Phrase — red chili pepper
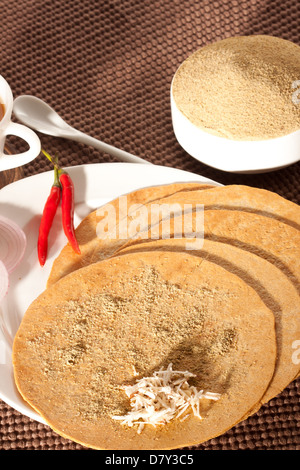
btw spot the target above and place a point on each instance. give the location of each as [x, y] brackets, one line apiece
[67, 205]
[49, 212]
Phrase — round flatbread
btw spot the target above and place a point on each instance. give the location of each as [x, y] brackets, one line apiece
[85, 337]
[86, 232]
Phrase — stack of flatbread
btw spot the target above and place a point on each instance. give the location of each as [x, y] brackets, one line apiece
[218, 301]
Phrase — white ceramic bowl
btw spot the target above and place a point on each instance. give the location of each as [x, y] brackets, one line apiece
[231, 155]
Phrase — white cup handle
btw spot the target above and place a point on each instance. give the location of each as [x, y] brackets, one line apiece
[13, 161]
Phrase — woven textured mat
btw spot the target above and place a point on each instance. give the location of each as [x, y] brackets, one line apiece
[106, 67]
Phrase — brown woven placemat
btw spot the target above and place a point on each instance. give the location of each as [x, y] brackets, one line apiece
[106, 67]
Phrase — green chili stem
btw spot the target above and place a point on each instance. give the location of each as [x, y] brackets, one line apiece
[54, 162]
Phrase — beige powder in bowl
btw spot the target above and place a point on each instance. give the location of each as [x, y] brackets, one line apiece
[241, 88]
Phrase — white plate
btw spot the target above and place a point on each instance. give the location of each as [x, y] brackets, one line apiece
[23, 202]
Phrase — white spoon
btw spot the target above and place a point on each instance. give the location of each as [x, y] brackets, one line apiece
[38, 115]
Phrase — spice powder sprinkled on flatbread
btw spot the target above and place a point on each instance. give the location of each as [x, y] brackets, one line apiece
[82, 339]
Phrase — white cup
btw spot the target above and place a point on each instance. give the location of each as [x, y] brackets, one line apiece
[7, 127]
